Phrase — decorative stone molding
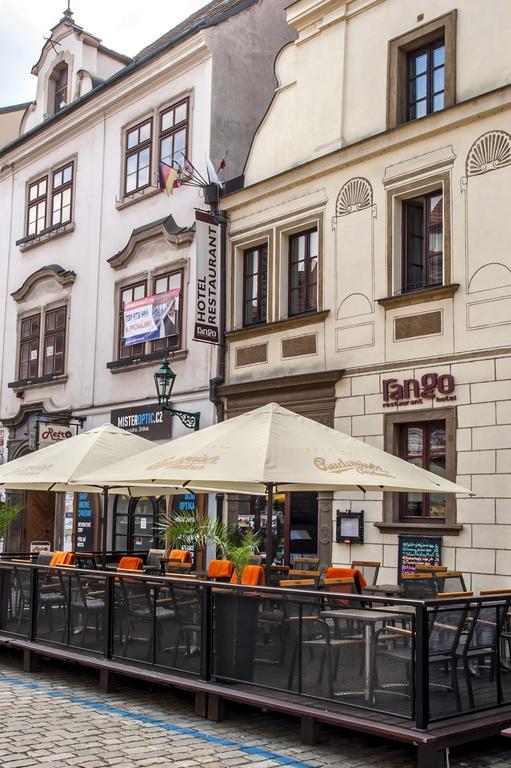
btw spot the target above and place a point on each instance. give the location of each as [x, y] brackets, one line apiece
[355, 195]
[53, 272]
[489, 152]
[175, 236]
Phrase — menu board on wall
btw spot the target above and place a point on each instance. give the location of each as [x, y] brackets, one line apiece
[418, 550]
[86, 507]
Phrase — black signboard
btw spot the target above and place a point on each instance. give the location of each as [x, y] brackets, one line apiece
[418, 550]
[183, 505]
[350, 527]
[86, 505]
[148, 421]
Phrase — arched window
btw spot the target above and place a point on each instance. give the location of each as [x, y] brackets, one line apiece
[60, 76]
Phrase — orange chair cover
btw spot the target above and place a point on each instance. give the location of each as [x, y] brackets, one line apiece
[61, 558]
[347, 573]
[253, 576]
[181, 555]
[133, 563]
[220, 569]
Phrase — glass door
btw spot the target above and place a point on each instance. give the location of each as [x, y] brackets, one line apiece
[135, 523]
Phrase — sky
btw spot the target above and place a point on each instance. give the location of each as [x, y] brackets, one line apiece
[124, 25]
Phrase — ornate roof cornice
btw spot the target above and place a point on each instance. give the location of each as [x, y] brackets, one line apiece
[175, 236]
[52, 271]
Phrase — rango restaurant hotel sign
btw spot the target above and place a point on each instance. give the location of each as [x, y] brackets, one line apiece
[430, 386]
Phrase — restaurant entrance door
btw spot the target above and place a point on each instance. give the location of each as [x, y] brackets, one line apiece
[40, 518]
[135, 523]
[301, 518]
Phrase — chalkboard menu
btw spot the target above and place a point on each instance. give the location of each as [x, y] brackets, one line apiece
[418, 550]
[86, 505]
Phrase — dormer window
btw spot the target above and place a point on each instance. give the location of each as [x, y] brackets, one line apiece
[60, 79]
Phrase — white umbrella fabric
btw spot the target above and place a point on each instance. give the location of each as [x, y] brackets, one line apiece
[269, 447]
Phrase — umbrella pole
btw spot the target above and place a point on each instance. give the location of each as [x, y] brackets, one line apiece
[104, 527]
[269, 530]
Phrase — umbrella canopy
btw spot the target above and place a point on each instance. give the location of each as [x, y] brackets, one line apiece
[55, 467]
[271, 445]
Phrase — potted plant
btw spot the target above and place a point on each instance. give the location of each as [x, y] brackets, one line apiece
[7, 515]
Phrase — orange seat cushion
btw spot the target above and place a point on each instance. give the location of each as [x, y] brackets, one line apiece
[181, 555]
[347, 573]
[220, 569]
[253, 576]
[133, 563]
[58, 558]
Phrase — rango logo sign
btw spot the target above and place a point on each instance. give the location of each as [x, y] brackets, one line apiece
[430, 386]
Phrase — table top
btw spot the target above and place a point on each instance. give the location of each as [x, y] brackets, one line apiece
[385, 589]
[360, 614]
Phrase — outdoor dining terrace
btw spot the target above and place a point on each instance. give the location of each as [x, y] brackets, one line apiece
[431, 672]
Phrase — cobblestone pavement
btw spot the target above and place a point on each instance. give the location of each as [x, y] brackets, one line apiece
[58, 717]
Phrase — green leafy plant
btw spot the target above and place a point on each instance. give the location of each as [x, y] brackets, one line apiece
[195, 530]
[7, 515]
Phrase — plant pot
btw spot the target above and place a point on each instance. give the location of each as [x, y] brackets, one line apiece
[235, 634]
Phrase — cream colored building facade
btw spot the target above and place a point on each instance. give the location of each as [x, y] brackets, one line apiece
[340, 153]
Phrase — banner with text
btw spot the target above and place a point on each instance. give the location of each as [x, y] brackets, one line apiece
[154, 317]
[207, 300]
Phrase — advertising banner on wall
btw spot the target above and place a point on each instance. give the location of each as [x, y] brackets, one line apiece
[207, 298]
[154, 317]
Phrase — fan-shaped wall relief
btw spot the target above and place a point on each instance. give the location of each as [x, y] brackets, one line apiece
[354, 245]
[487, 207]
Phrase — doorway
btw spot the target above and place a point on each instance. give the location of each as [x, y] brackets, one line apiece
[40, 517]
[301, 525]
[135, 523]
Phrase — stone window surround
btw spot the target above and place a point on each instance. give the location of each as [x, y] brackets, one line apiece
[123, 200]
[394, 244]
[26, 242]
[41, 379]
[149, 275]
[391, 521]
[238, 249]
[398, 49]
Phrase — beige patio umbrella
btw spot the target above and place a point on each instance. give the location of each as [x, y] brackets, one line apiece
[272, 448]
[55, 467]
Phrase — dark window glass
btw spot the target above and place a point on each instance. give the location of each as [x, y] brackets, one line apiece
[423, 242]
[60, 77]
[426, 80]
[303, 272]
[54, 341]
[138, 157]
[61, 195]
[255, 284]
[424, 445]
[174, 134]
[172, 320]
[29, 347]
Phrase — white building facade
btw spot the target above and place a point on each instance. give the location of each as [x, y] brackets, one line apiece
[370, 268]
[86, 229]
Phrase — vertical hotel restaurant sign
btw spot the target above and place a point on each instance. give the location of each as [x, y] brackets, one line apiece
[207, 305]
[151, 318]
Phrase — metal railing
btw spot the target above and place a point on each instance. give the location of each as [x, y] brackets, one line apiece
[421, 661]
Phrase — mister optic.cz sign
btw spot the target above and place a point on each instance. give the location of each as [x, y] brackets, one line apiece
[430, 386]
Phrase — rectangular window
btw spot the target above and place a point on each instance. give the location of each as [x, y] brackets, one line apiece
[426, 80]
[36, 210]
[174, 134]
[138, 157]
[172, 320]
[62, 195]
[127, 294]
[424, 444]
[54, 341]
[422, 242]
[29, 347]
[255, 284]
[303, 277]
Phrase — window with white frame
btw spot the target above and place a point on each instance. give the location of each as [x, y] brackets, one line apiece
[50, 200]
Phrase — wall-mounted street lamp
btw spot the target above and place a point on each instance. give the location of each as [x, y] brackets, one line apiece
[164, 379]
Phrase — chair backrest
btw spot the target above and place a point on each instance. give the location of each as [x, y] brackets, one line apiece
[450, 581]
[483, 628]
[176, 567]
[296, 583]
[277, 573]
[87, 561]
[62, 558]
[255, 560]
[252, 575]
[153, 557]
[180, 555]
[419, 586]
[347, 573]
[340, 585]
[484, 592]
[369, 569]
[430, 568]
[306, 563]
[131, 563]
[220, 569]
[445, 627]
[299, 574]
[447, 595]
[44, 558]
